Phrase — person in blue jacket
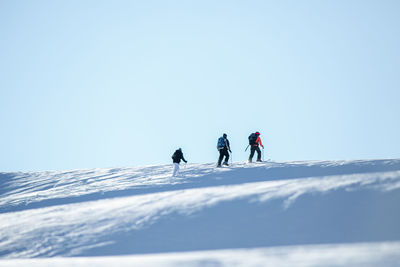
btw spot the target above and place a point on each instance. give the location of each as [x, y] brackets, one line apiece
[223, 148]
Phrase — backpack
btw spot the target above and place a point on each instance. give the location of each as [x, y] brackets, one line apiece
[175, 156]
[252, 139]
[221, 143]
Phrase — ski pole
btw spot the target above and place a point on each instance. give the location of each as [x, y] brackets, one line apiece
[263, 154]
[246, 148]
[184, 167]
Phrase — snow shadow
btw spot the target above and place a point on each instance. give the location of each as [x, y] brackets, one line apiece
[334, 218]
[331, 209]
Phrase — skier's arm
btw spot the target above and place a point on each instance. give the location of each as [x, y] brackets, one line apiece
[228, 145]
[184, 159]
[259, 142]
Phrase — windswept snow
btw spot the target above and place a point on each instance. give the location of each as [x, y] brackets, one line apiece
[247, 214]
[359, 254]
[23, 190]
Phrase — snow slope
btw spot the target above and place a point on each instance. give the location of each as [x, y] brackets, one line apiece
[277, 213]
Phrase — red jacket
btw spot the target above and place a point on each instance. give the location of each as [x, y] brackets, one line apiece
[258, 142]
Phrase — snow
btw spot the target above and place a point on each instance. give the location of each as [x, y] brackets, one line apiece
[309, 213]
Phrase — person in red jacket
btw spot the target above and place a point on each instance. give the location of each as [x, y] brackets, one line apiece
[255, 143]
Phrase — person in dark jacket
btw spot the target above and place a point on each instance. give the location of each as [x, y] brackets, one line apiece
[255, 142]
[176, 159]
[223, 148]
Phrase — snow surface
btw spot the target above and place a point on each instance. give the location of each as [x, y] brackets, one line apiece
[311, 213]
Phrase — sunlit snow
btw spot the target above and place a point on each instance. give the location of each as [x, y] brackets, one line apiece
[308, 213]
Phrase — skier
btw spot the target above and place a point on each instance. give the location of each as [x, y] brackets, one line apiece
[255, 142]
[176, 159]
[223, 148]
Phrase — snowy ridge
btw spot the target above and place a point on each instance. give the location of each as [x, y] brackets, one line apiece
[280, 211]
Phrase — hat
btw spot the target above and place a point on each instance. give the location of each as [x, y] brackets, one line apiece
[257, 133]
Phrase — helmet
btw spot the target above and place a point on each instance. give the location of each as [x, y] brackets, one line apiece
[257, 133]
[224, 135]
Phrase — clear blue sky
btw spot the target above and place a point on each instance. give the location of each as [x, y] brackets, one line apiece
[92, 84]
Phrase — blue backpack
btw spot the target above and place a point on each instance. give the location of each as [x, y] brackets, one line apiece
[221, 143]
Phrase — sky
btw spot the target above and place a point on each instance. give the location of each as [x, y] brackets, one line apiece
[93, 84]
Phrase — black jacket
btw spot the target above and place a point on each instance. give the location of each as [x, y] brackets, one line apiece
[178, 156]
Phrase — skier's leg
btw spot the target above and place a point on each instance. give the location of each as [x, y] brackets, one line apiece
[176, 169]
[258, 153]
[221, 155]
[226, 154]
[252, 150]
